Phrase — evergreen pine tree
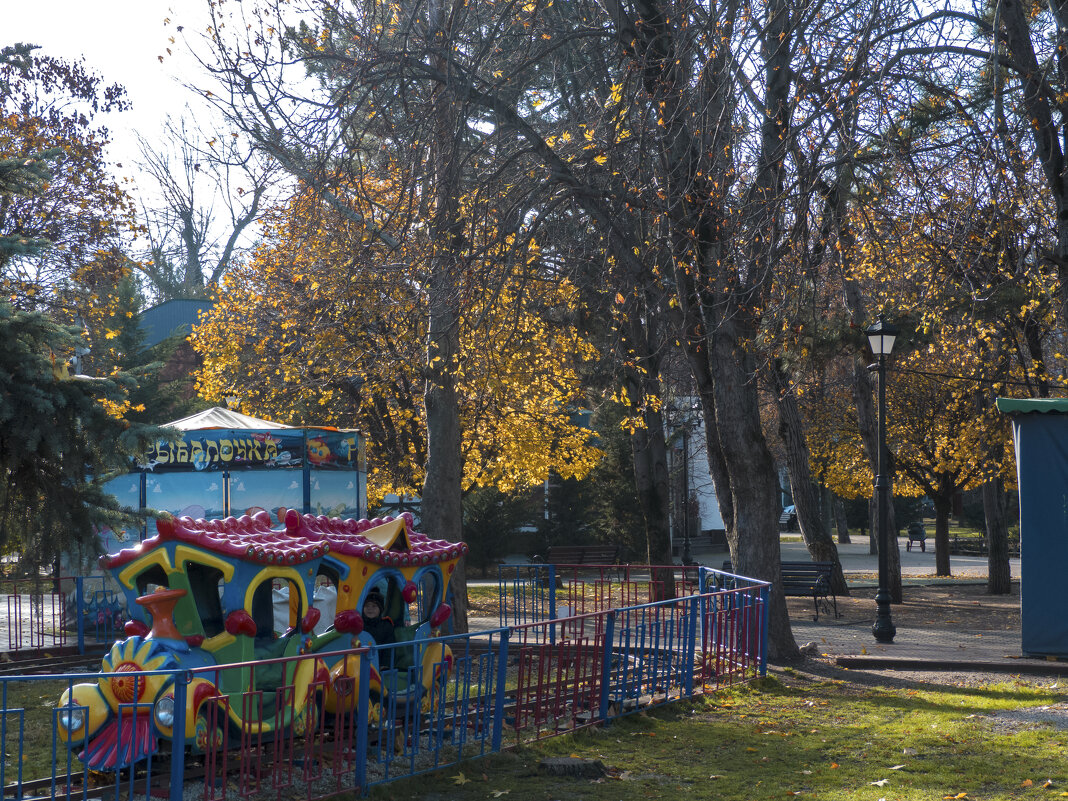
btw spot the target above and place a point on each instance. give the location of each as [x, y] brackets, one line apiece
[60, 437]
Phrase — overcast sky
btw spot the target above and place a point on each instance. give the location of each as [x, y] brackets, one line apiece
[121, 40]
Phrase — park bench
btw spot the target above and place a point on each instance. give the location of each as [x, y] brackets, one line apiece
[806, 580]
[598, 554]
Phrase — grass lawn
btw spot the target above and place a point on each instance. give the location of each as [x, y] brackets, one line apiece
[797, 735]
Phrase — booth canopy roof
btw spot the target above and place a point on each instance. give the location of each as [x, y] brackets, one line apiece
[218, 417]
[1031, 405]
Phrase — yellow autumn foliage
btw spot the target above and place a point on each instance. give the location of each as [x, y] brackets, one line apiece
[327, 326]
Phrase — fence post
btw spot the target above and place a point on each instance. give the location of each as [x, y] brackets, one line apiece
[606, 663]
[552, 602]
[363, 703]
[690, 650]
[502, 597]
[765, 592]
[551, 586]
[499, 689]
[79, 608]
[181, 687]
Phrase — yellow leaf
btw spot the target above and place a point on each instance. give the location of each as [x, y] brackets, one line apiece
[460, 779]
[1027, 783]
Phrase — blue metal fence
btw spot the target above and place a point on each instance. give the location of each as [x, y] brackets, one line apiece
[564, 662]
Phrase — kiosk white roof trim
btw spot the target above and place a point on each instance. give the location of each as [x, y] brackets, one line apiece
[218, 417]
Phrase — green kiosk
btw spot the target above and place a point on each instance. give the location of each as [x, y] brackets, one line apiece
[1040, 431]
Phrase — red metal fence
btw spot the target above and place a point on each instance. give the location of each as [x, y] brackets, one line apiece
[512, 684]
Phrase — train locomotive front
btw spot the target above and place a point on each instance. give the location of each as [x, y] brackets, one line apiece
[209, 590]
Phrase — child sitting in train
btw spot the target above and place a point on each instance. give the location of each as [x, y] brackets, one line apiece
[375, 622]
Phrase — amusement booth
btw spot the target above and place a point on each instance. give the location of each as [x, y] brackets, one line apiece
[226, 465]
[230, 464]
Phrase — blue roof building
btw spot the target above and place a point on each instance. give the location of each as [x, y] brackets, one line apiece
[172, 317]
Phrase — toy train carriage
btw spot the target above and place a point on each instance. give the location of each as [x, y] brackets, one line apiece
[239, 592]
[412, 574]
[219, 579]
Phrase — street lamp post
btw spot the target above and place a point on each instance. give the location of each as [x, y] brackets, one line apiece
[687, 557]
[881, 337]
[682, 421]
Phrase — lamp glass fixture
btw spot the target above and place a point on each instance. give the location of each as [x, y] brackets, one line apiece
[881, 338]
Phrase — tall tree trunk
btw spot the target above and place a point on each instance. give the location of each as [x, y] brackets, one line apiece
[441, 504]
[840, 521]
[651, 477]
[686, 317]
[943, 505]
[754, 538]
[998, 572]
[802, 489]
[1047, 123]
[643, 336]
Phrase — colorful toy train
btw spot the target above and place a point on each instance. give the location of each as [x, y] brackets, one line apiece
[205, 593]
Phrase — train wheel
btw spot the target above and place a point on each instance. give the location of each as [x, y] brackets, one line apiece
[207, 737]
[306, 720]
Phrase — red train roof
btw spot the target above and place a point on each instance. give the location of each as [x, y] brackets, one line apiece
[385, 541]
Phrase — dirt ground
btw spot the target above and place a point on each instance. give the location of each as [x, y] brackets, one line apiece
[952, 605]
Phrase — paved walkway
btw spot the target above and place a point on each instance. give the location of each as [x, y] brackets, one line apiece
[939, 646]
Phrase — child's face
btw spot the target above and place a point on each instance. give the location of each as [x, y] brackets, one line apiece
[371, 609]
